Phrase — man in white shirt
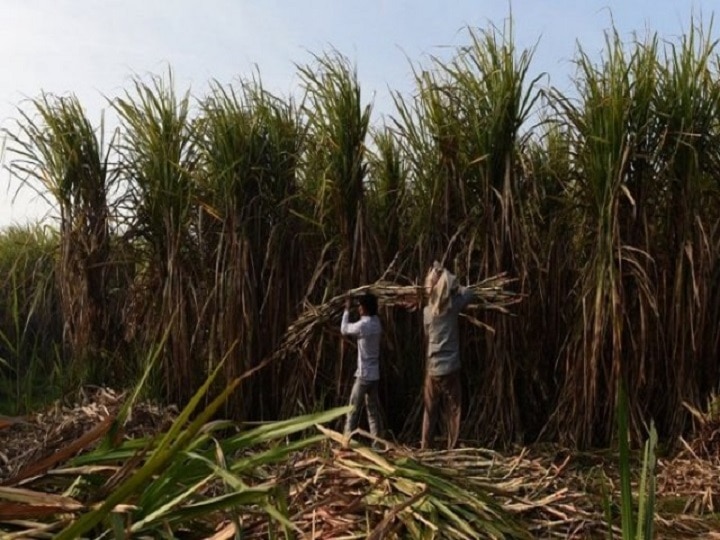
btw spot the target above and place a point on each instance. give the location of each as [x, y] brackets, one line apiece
[368, 331]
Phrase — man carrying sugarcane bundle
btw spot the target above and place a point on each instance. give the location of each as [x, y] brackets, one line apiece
[446, 299]
[367, 330]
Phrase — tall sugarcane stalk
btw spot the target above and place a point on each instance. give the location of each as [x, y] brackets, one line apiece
[158, 157]
[58, 150]
[249, 146]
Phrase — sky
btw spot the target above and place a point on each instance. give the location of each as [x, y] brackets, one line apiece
[94, 48]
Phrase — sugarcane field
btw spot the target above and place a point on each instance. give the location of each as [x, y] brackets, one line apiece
[493, 312]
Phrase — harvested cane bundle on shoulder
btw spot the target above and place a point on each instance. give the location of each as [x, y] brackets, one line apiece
[490, 294]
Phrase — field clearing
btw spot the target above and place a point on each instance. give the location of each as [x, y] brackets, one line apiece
[338, 491]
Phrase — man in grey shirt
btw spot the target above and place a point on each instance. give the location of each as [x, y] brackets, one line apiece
[442, 378]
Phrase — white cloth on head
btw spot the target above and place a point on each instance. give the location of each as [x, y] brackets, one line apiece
[441, 285]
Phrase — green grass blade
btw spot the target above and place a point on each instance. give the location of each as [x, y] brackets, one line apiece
[626, 497]
[170, 445]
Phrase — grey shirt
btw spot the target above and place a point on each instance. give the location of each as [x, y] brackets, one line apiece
[443, 341]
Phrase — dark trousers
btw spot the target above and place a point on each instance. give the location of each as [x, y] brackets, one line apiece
[445, 389]
[367, 392]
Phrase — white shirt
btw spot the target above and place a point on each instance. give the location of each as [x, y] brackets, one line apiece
[368, 331]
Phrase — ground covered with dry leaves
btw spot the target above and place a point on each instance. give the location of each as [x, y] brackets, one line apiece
[332, 489]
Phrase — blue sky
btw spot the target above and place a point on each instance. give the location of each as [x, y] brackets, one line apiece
[93, 48]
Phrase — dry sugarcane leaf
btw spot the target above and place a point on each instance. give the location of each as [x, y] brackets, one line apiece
[32, 529]
[63, 454]
[11, 511]
[225, 533]
[17, 503]
[38, 498]
[7, 421]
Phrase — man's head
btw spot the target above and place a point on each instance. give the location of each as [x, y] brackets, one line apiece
[440, 285]
[368, 304]
[433, 276]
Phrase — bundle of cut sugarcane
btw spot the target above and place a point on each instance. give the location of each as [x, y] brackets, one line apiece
[490, 294]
